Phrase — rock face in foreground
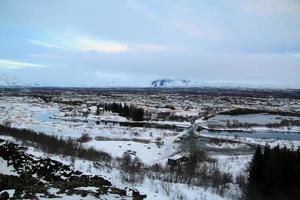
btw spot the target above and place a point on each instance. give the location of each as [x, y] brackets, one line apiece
[36, 176]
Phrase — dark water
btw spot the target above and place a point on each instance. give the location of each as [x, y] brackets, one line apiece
[192, 141]
[201, 143]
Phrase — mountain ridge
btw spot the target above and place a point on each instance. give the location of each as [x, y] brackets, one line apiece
[11, 81]
[166, 82]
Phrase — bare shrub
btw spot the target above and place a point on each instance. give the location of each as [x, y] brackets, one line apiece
[56, 145]
[167, 187]
[197, 169]
[159, 142]
[72, 161]
[85, 137]
[241, 180]
[220, 181]
[179, 195]
[132, 169]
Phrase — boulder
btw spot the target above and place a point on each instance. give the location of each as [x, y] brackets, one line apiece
[4, 196]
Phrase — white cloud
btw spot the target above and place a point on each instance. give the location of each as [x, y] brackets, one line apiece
[11, 64]
[44, 44]
[197, 31]
[271, 7]
[189, 28]
[86, 44]
[154, 47]
[89, 44]
[82, 43]
[294, 54]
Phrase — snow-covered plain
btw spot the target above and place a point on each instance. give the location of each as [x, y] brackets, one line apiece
[151, 145]
[29, 114]
[6, 169]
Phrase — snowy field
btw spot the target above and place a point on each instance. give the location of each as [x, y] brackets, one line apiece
[154, 144]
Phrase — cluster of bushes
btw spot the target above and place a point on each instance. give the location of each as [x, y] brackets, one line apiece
[274, 174]
[54, 144]
[244, 111]
[170, 116]
[170, 107]
[237, 124]
[85, 137]
[284, 122]
[130, 111]
[132, 168]
[196, 169]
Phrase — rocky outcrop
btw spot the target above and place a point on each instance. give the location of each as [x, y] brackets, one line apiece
[37, 175]
[4, 196]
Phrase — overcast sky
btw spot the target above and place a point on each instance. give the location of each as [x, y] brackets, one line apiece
[131, 42]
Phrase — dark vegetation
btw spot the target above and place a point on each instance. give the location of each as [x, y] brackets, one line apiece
[170, 107]
[84, 138]
[131, 111]
[101, 138]
[132, 169]
[210, 91]
[237, 124]
[244, 111]
[196, 169]
[56, 145]
[284, 122]
[170, 116]
[274, 174]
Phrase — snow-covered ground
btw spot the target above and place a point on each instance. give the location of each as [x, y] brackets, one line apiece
[233, 164]
[226, 145]
[29, 114]
[151, 145]
[6, 169]
[258, 141]
[155, 189]
[148, 153]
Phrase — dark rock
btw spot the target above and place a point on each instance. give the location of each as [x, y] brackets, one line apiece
[118, 191]
[56, 174]
[4, 196]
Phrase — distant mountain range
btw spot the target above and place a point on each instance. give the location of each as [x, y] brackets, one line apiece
[184, 83]
[174, 83]
[11, 81]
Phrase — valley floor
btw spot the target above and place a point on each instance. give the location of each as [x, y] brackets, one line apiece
[169, 134]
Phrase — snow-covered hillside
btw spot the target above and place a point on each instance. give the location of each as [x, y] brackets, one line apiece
[10, 81]
[173, 83]
[7, 80]
[185, 83]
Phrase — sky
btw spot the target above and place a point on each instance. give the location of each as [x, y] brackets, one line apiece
[132, 42]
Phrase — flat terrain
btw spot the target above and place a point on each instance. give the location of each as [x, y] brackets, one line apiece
[226, 125]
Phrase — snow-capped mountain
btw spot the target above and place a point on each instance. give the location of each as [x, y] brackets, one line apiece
[8, 80]
[173, 83]
[184, 83]
[11, 81]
